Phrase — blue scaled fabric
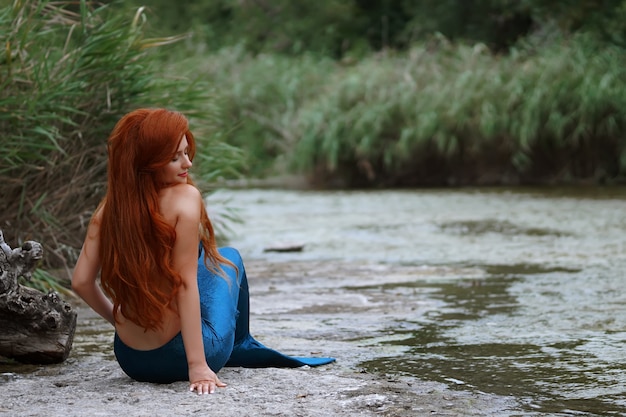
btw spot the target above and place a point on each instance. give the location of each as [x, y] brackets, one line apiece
[225, 311]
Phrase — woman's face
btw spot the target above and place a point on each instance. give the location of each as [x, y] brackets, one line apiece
[176, 171]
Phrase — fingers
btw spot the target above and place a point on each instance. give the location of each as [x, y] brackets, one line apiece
[219, 383]
[206, 387]
[203, 387]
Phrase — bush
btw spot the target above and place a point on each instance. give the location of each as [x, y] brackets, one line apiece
[461, 115]
[439, 114]
[68, 73]
[258, 98]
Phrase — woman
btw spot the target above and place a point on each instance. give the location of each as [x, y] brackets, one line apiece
[178, 303]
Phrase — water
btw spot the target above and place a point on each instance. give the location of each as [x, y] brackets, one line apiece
[544, 321]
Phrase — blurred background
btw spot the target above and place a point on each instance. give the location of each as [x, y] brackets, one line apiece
[476, 146]
[331, 94]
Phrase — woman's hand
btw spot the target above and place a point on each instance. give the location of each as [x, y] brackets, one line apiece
[203, 380]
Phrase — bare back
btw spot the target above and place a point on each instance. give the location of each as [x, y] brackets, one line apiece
[178, 205]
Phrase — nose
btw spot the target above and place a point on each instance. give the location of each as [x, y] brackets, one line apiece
[187, 162]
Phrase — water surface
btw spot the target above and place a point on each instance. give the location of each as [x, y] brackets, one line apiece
[544, 321]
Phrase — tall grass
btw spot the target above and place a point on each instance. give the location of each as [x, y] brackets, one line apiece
[258, 99]
[68, 72]
[440, 114]
[462, 115]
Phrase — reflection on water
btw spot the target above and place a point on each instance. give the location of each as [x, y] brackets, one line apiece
[481, 341]
[479, 227]
[545, 323]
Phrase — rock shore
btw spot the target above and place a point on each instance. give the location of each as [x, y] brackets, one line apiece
[299, 308]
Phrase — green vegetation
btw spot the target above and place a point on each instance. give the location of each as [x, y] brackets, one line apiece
[437, 92]
[460, 115]
[341, 28]
[68, 73]
[438, 114]
[44, 281]
[349, 93]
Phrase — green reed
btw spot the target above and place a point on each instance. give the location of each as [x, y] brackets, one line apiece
[441, 113]
[68, 72]
[559, 112]
[258, 98]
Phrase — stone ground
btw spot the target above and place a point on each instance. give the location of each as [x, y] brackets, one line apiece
[303, 308]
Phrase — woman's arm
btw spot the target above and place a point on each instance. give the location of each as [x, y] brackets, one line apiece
[185, 259]
[86, 271]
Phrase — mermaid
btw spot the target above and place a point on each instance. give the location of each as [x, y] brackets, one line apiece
[179, 304]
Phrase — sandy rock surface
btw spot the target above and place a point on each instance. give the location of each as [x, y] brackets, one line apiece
[302, 309]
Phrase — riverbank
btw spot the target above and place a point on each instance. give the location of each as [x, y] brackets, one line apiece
[301, 308]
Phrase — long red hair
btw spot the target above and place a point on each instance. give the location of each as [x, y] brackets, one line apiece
[135, 240]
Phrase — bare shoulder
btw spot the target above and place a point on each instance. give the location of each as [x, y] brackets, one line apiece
[97, 215]
[93, 229]
[180, 200]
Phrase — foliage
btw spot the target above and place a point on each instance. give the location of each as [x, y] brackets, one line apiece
[343, 28]
[68, 71]
[340, 28]
[442, 113]
[462, 115]
[258, 97]
[604, 18]
[495, 23]
[456, 91]
[44, 281]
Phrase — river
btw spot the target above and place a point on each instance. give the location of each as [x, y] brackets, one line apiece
[540, 316]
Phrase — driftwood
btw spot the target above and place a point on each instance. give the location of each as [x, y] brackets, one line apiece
[285, 247]
[34, 327]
